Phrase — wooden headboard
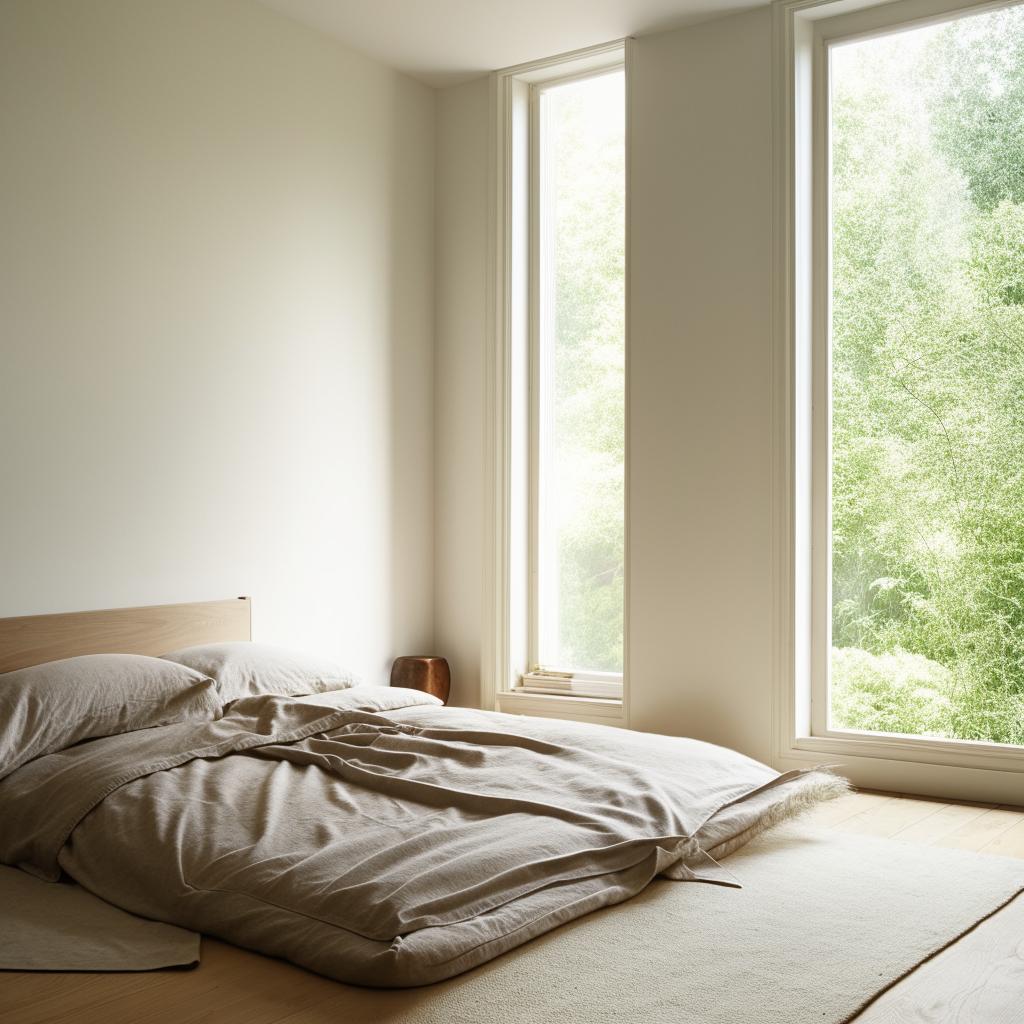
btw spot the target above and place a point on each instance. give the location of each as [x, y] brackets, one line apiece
[154, 630]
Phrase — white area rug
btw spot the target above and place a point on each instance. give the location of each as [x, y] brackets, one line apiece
[825, 922]
[48, 926]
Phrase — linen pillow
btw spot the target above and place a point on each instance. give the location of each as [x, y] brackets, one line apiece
[242, 668]
[48, 707]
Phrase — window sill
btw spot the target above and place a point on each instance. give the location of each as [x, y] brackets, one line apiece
[600, 710]
[946, 753]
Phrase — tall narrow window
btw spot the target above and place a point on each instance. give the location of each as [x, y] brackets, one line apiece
[926, 530]
[577, 384]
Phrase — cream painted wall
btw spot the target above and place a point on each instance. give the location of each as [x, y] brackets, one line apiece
[462, 190]
[216, 322]
[700, 417]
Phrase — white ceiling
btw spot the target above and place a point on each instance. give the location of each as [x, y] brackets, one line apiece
[445, 41]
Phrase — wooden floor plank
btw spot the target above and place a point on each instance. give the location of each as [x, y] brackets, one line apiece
[1009, 843]
[98, 1000]
[981, 831]
[18, 989]
[247, 989]
[888, 817]
[937, 826]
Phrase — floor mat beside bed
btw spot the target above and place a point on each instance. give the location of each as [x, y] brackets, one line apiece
[53, 926]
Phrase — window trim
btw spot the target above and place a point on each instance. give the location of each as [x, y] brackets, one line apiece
[510, 494]
[802, 33]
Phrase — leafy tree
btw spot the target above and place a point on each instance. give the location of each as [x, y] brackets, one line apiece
[928, 380]
[976, 70]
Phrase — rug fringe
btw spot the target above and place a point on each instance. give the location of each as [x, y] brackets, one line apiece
[817, 786]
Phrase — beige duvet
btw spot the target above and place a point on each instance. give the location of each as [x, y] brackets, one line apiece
[379, 838]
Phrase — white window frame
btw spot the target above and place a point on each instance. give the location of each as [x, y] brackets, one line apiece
[803, 31]
[510, 615]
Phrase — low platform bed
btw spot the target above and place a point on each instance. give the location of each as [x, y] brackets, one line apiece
[367, 833]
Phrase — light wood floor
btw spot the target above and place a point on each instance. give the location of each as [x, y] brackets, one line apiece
[979, 980]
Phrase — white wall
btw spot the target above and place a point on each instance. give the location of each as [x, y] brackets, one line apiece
[700, 415]
[462, 189]
[216, 322]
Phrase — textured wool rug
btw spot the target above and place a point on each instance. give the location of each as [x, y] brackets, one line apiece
[824, 923]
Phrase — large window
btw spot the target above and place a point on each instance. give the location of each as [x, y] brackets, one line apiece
[926, 196]
[578, 394]
[557, 402]
[898, 341]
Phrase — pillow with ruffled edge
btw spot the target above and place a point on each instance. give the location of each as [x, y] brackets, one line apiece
[48, 707]
[242, 668]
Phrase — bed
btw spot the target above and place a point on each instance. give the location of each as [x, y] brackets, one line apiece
[367, 833]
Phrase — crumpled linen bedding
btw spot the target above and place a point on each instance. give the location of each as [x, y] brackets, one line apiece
[379, 838]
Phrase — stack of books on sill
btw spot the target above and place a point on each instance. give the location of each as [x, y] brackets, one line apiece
[567, 685]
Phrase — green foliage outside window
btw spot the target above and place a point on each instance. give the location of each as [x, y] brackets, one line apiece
[587, 478]
[928, 381]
